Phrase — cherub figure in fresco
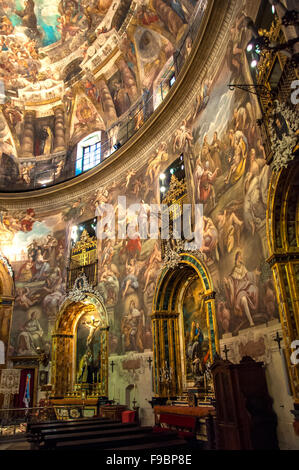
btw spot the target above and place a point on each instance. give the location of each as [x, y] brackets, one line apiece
[130, 174]
[241, 288]
[27, 221]
[25, 173]
[24, 299]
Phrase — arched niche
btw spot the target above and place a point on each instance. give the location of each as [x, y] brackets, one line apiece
[172, 348]
[7, 296]
[283, 243]
[69, 363]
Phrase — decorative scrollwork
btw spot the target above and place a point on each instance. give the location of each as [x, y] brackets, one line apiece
[82, 287]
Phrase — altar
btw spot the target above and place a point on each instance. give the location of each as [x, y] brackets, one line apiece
[194, 423]
[74, 408]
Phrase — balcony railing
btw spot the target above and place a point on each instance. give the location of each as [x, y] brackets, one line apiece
[45, 171]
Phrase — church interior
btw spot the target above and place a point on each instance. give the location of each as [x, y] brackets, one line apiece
[149, 225]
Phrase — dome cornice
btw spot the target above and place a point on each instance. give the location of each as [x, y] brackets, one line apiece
[208, 48]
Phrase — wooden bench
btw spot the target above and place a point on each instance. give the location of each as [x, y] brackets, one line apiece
[141, 437]
[38, 431]
[50, 441]
[178, 444]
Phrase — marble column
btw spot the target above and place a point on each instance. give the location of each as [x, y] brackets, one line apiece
[59, 129]
[107, 103]
[27, 145]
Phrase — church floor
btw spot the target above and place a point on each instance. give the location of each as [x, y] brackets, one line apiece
[14, 445]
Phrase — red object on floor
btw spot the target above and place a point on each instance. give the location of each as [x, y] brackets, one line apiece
[128, 416]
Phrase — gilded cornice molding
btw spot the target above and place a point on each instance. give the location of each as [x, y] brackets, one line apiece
[208, 50]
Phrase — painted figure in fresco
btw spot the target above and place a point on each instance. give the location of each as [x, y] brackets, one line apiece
[27, 220]
[238, 161]
[120, 97]
[235, 50]
[130, 281]
[29, 19]
[23, 297]
[255, 201]
[131, 327]
[86, 368]
[25, 170]
[152, 266]
[209, 238]
[242, 290]
[110, 283]
[68, 21]
[30, 337]
[223, 315]
[229, 228]
[196, 340]
[6, 26]
[12, 113]
[206, 189]
[215, 150]
[182, 138]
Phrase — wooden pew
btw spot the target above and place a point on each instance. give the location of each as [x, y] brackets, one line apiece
[57, 423]
[178, 444]
[80, 429]
[50, 441]
[37, 431]
[109, 442]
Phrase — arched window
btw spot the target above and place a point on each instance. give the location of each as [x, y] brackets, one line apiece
[88, 152]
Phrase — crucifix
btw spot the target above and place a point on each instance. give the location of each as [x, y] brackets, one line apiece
[278, 340]
[225, 350]
[112, 365]
[149, 362]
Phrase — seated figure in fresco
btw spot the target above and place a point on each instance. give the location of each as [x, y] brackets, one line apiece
[30, 337]
[131, 327]
[242, 289]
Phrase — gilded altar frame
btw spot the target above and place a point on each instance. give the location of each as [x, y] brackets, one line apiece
[283, 243]
[167, 311]
[63, 373]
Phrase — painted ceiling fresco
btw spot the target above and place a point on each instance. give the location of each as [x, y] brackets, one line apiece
[96, 60]
[39, 39]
